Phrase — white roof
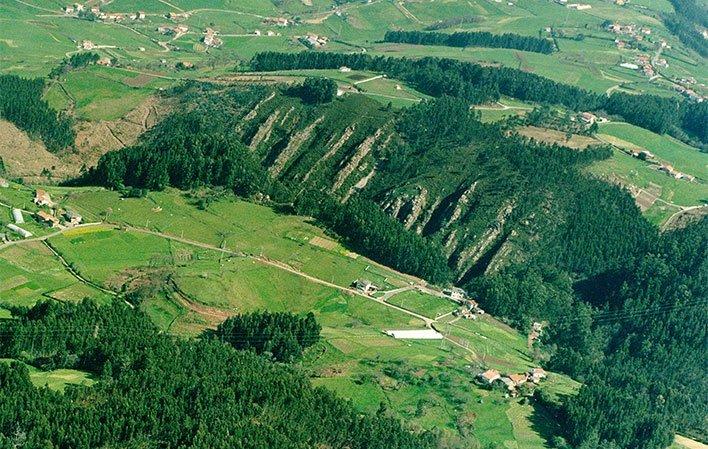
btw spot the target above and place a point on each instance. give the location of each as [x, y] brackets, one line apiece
[420, 334]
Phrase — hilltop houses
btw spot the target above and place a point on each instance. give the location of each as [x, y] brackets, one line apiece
[177, 31]
[455, 293]
[470, 310]
[490, 376]
[71, 218]
[48, 219]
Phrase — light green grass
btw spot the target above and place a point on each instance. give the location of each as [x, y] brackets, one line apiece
[427, 383]
[681, 156]
[56, 379]
[638, 173]
[422, 303]
[30, 273]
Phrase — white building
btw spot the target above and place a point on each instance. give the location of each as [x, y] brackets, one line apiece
[17, 216]
[19, 230]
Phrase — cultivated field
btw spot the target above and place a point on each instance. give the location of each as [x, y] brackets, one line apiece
[256, 259]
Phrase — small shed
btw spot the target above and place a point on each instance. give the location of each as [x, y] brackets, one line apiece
[17, 216]
[365, 286]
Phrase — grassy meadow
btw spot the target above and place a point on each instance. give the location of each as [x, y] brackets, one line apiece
[427, 383]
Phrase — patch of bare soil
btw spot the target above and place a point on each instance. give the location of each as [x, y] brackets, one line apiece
[558, 137]
[138, 81]
[29, 159]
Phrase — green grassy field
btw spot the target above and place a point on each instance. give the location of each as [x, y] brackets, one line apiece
[56, 379]
[591, 62]
[422, 303]
[429, 384]
[30, 273]
[641, 174]
[681, 156]
[101, 93]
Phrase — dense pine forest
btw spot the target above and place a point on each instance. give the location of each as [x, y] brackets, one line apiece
[472, 39]
[157, 391]
[282, 335]
[21, 103]
[478, 84]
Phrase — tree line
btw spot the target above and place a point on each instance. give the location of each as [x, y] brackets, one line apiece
[21, 103]
[153, 390]
[478, 84]
[282, 335]
[472, 39]
[685, 23]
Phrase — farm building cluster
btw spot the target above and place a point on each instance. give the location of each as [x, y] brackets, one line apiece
[576, 6]
[314, 40]
[49, 214]
[211, 39]
[512, 382]
[669, 169]
[645, 63]
[95, 13]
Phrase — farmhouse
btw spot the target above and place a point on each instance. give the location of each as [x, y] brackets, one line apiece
[345, 69]
[17, 216]
[588, 118]
[210, 39]
[518, 379]
[177, 16]
[22, 232]
[48, 218]
[277, 21]
[88, 45]
[455, 293]
[536, 375]
[104, 61]
[42, 198]
[71, 217]
[510, 385]
[469, 310]
[4, 183]
[365, 286]
[489, 376]
[314, 41]
[629, 65]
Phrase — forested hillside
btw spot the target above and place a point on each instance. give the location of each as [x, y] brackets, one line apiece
[157, 391]
[459, 197]
[21, 103]
[434, 192]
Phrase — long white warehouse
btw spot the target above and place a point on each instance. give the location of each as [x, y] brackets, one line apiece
[425, 334]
